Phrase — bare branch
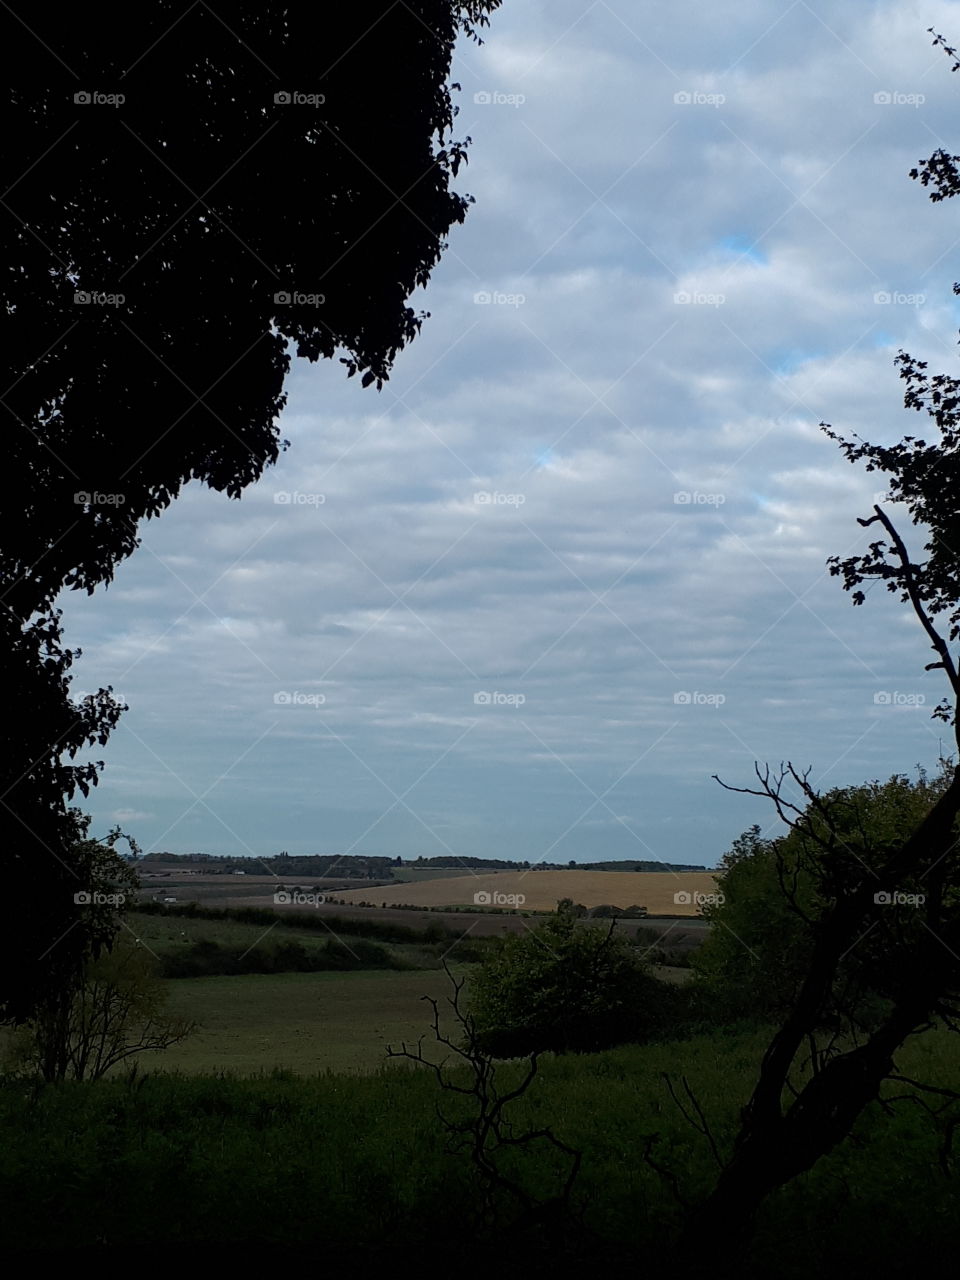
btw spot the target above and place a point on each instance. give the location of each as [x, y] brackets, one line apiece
[700, 1123]
[486, 1130]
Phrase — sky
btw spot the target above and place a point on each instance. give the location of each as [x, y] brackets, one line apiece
[569, 564]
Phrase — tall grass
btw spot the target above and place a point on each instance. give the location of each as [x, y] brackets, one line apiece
[339, 1160]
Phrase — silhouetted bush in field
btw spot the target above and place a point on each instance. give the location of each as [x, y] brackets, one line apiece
[569, 989]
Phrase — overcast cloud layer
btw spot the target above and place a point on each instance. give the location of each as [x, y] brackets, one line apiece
[570, 562]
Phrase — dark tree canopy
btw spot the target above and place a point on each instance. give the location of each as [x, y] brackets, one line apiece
[191, 195]
[197, 200]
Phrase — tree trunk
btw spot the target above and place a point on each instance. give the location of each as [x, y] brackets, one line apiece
[772, 1151]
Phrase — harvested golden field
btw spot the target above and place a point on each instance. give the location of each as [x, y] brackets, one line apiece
[542, 890]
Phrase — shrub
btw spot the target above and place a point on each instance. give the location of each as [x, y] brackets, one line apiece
[565, 987]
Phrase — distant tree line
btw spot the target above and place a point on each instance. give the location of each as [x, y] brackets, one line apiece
[379, 867]
[309, 864]
[507, 864]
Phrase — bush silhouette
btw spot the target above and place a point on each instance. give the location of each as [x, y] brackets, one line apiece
[567, 988]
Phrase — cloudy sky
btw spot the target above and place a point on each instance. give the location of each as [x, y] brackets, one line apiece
[569, 563]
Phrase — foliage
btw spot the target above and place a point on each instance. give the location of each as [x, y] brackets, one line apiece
[206, 956]
[115, 1012]
[569, 907]
[566, 987]
[103, 885]
[43, 837]
[109, 1006]
[774, 892]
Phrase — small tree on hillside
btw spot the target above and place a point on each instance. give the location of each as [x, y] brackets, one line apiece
[568, 905]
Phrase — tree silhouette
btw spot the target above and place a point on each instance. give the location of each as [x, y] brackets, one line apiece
[190, 197]
[810, 1093]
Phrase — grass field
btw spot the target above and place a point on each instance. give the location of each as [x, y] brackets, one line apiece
[542, 889]
[169, 933]
[305, 1022]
